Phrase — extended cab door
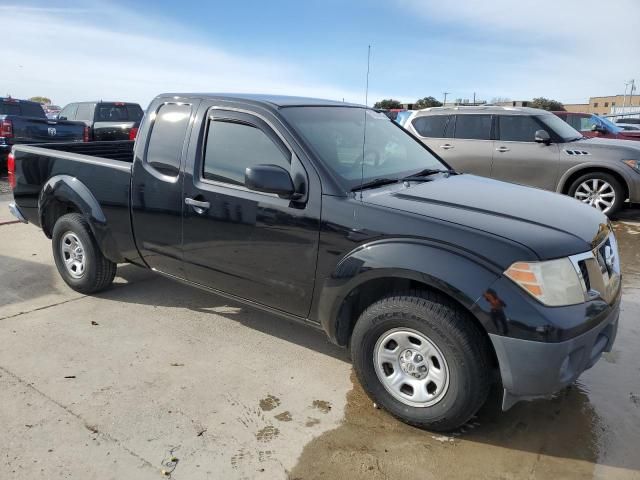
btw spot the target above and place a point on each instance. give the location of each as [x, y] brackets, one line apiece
[518, 158]
[253, 245]
[156, 188]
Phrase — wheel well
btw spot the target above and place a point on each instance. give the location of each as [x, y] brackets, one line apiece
[55, 209]
[579, 173]
[371, 291]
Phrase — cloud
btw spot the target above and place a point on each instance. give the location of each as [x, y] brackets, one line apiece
[568, 49]
[108, 52]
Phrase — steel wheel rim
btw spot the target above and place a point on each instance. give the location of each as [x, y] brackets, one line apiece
[73, 255]
[596, 192]
[401, 356]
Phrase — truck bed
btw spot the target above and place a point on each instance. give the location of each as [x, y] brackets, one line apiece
[98, 172]
[118, 150]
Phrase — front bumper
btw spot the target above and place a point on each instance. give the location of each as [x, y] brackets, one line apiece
[532, 369]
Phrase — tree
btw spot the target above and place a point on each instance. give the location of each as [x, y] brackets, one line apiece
[546, 104]
[427, 102]
[388, 104]
[42, 100]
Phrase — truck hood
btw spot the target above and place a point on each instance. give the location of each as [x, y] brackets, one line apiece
[550, 224]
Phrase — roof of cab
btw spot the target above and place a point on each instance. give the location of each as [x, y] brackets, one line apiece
[274, 101]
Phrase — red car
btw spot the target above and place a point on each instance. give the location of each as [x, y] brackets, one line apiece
[591, 125]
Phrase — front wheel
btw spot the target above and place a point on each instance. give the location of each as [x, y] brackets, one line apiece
[421, 358]
[78, 257]
[600, 190]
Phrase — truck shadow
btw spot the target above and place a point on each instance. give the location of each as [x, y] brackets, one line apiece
[164, 292]
[564, 437]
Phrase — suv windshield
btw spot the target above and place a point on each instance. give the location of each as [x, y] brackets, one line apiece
[337, 137]
[560, 127]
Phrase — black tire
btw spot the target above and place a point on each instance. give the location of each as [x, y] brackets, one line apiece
[464, 346]
[99, 272]
[618, 189]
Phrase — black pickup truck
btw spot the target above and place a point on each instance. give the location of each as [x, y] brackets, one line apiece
[23, 121]
[106, 120]
[328, 213]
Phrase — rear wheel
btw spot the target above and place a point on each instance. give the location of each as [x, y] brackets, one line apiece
[78, 257]
[420, 357]
[600, 190]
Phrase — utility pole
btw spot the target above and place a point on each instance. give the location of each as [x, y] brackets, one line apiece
[445, 98]
[474, 98]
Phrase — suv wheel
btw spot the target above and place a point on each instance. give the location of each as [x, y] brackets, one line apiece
[78, 257]
[420, 357]
[600, 190]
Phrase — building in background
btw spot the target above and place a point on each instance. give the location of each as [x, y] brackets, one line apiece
[513, 103]
[604, 105]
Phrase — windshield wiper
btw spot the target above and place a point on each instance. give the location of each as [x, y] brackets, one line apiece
[378, 182]
[420, 176]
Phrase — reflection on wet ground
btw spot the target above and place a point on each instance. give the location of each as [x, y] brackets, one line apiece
[589, 430]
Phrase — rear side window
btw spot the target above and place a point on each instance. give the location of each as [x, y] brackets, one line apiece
[473, 127]
[574, 120]
[167, 138]
[32, 110]
[233, 146]
[431, 125]
[517, 128]
[84, 112]
[585, 124]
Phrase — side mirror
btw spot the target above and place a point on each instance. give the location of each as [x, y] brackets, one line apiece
[598, 128]
[270, 179]
[542, 136]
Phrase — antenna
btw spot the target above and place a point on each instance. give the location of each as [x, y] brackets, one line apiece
[364, 129]
[366, 92]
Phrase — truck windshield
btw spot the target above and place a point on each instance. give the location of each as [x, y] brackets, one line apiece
[337, 136]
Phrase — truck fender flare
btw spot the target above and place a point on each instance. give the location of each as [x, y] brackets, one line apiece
[455, 273]
[65, 189]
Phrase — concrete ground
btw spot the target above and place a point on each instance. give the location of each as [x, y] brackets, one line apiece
[112, 386]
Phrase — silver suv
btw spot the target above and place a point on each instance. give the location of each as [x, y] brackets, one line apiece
[532, 147]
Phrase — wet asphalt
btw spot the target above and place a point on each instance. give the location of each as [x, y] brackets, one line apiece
[244, 395]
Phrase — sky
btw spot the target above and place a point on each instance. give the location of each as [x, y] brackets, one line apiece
[518, 49]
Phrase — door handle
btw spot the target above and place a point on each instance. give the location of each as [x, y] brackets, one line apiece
[197, 205]
[446, 146]
[502, 149]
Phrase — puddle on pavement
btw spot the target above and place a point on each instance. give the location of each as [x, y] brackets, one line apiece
[589, 430]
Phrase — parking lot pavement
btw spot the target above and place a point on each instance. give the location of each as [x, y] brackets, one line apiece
[106, 386]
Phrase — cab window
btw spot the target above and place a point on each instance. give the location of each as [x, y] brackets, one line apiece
[232, 146]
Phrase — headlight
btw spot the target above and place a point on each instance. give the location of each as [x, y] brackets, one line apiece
[635, 164]
[553, 283]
